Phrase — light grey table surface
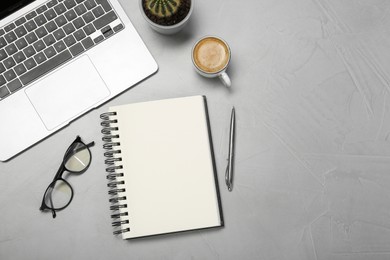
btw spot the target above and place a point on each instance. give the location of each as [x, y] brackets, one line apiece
[312, 175]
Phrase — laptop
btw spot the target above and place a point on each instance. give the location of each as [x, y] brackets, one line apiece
[58, 60]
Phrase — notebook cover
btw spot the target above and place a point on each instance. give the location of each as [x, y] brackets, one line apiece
[169, 169]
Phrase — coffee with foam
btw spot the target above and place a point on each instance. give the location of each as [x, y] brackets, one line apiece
[211, 55]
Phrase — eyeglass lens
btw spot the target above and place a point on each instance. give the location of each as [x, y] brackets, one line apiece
[78, 158]
[58, 195]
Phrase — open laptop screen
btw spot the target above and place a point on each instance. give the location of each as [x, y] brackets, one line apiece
[7, 7]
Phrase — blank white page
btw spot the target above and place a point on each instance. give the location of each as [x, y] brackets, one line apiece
[168, 166]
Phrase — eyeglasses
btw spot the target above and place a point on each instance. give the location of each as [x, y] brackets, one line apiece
[59, 193]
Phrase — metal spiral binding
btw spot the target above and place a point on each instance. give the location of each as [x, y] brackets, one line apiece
[113, 171]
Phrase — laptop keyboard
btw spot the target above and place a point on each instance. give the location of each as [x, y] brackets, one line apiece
[50, 35]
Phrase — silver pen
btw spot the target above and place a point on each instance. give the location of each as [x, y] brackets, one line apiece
[229, 168]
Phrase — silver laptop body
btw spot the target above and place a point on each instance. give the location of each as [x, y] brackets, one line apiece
[96, 61]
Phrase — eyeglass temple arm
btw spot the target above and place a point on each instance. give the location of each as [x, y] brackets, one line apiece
[83, 147]
[90, 144]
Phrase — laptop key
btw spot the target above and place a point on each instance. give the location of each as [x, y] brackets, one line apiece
[106, 6]
[29, 51]
[19, 57]
[20, 31]
[49, 40]
[69, 3]
[69, 40]
[45, 67]
[20, 69]
[31, 15]
[98, 39]
[88, 17]
[40, 57]
[70, 15]
[78, 23]
[59, 46]
[69, 28]
[59, 34]
[3, 54]
[89, 29]
[50, 52]
[60, 20]
[41, 9]
[9, 62]
[87, 43]
[31, 37]
[80, 9]
[105, 20]
[14, 85]
[39, 45]
[9, 75]
[50, 14]
[40, 32]
[76, 49]
[21, 43]
[30, 63]
[98, 11]
[118, 27]
[11, 49]
[51, 3]
[10, 37]
[30, 25]
[3, 92]
[3, 43]
[2, 68]
[2, 80]
[20, 21]
[9, 27]
[79, 35]
[40, 19]
[107, 31]
[50, 26]
[60, 9]
[90, 4]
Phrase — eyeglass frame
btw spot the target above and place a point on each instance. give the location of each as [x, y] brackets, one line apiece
[69, 153]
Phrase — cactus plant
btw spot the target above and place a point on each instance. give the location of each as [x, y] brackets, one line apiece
[163, 8]
[166, 12]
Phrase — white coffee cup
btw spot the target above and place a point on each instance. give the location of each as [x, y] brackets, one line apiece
[211, 56]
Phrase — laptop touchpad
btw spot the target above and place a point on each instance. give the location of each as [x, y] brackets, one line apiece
[67, 93]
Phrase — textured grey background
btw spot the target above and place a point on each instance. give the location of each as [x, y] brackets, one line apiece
[311, 91]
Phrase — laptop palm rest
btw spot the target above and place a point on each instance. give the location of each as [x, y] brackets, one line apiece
[67, 93]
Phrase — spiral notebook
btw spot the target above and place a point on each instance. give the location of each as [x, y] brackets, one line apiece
[161, 168]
